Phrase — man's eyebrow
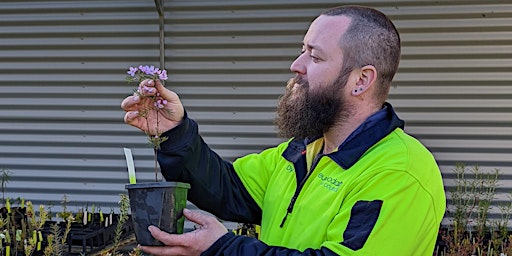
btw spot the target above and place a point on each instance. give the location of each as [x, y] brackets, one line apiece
[316, 47]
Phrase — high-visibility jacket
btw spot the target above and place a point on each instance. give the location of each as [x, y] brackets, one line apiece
[380, 193]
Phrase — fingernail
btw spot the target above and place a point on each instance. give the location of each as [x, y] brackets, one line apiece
[186, 210]
[151, 228]
[136, 98]
[150, 82]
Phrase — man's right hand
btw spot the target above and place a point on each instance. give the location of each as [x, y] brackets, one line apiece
[138, 104]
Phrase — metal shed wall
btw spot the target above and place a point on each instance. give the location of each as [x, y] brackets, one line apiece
[63, 62]
[230, 59]
[62, 80]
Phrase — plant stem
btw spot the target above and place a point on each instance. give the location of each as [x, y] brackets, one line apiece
[156, 164]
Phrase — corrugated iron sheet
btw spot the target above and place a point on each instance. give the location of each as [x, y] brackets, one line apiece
[62, 80]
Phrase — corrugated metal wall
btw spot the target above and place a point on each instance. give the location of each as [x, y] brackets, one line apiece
[62, 66]
[61, 83]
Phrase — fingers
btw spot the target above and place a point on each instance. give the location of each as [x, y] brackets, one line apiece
[147, 88]
[164, 237]
[166, 93]
[164, 250]
[205, 222]
[150, 87]
[196, 217]
[130, 102]
[208, 224]
[191, 243]
[153, 108]
[130, 116]
[174, 242]
[131, 105]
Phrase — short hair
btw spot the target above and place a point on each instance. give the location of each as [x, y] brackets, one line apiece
[370, 39]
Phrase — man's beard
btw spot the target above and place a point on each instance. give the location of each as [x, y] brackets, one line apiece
[304, 114]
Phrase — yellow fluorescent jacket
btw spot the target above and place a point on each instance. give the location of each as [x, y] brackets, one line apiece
[388, 201]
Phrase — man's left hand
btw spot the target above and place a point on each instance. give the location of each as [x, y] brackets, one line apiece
[191, 243]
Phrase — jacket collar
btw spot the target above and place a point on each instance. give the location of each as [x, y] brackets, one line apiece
[371, 131]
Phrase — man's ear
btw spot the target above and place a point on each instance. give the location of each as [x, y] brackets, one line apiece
[367, 77]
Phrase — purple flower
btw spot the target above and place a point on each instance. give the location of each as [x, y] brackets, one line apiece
[160, 103]
[162, 74]
[150, 70]
[132, 71]
[143, 68]
[146, 71]
[153, 70]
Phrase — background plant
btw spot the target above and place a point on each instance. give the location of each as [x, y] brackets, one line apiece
[6, 177]
[21, 231]
[34, 234]
[124, 206]
[64, 213]
[470, 231]
[156, 103]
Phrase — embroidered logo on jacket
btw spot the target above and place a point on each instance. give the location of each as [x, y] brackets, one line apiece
[329, 182]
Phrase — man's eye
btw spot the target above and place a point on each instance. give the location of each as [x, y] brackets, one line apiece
[315, 59]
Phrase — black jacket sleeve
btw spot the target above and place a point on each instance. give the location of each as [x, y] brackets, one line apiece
[215, 186]
[230, 244]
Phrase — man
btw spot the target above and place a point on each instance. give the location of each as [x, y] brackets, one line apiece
[349, 182]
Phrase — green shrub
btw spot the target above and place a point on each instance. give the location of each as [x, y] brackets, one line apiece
[470, 231]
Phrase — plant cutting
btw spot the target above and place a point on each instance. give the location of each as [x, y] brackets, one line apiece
[157, 203]
[153, 103]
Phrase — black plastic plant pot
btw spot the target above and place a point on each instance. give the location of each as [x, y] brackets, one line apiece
[159, 204]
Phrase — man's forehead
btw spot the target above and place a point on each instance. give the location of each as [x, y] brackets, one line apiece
[328, 26]
[325, 31]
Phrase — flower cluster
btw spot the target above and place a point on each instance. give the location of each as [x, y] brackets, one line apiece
[137, 75]
[140, 73]
[146, 72]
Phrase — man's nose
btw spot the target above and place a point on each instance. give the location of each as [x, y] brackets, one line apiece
[298, 66]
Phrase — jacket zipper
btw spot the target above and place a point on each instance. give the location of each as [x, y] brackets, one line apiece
[297, 191]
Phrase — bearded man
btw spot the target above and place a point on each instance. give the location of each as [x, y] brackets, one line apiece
[350, 181]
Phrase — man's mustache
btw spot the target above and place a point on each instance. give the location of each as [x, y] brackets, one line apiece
[296, 80]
